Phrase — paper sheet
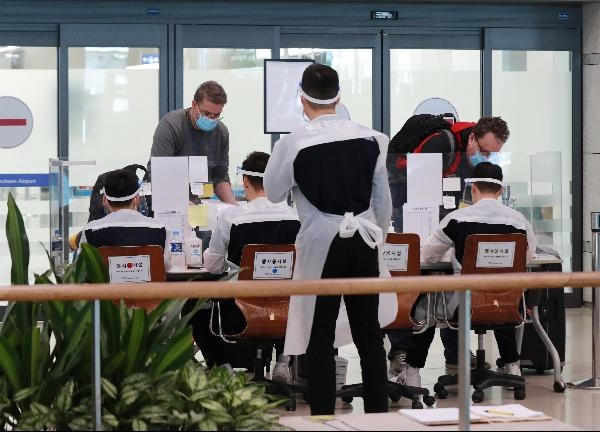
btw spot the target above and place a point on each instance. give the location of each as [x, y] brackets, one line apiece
[424, 178]
[511, 411]
[421, 220]
[209, 190]
[198, 168]
[173, 221]
[170, 184]
[451, 184]
[198, 215]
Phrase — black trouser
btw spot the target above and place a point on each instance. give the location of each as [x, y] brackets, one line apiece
[349, 257]
[215, 351]
[419, 348]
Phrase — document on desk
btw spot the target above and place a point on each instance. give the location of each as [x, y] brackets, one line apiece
[170, 184]
[420, 219]
[424, 178]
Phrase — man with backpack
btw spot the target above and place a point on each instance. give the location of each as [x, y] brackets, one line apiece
[463, 146]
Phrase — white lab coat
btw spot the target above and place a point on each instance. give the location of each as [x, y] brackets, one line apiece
[318, 229]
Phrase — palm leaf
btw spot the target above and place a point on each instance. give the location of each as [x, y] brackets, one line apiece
[18, 244]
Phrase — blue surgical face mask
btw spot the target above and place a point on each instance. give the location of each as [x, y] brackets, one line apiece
[477, 158]
[206, 124]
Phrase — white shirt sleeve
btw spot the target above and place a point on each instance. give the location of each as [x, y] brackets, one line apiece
[82, 240]
[381, 198]
[216, 253]
[279, 174]
[531, 241]
[437, 245]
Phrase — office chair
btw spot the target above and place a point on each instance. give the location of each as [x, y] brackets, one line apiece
[402, 255]
[266, 322]
[489, 310]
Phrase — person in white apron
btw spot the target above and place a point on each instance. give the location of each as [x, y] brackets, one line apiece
[336, 171]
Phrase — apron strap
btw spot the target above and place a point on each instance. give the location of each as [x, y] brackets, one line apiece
[370, 232]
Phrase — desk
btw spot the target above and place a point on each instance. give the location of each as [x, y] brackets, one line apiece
[537, 262]
[199, 275]
[394, 421]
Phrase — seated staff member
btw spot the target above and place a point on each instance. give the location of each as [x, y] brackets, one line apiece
[480, 142]
[124, 225]
[199, 131]
[486, 216]
[258, 222]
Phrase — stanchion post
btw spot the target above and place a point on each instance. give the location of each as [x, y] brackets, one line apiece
[96, 366]
[594, 382]
[464, 360]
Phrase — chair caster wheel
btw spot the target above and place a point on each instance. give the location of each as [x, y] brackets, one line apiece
[499, 363]
[559, 387]
[417, 405]
[429, 400]
[477, 396]
[394, 398]
[520, 394]
[347, 399]
[290, 406]
[440, 391]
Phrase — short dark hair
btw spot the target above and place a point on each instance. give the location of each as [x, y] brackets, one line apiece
[256, 162]
[488, 170]
[211, 91]
[320, 82]
[495, 125]
[120, 183]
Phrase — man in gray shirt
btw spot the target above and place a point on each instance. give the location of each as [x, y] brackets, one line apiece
[198, 131]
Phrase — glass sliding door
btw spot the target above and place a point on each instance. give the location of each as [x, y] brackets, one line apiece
[418, 75]
[357, 59]
[116, 94]
[234, 57]
[28, 78]
[532, 91]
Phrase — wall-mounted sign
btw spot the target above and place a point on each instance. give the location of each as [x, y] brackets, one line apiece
[24, 180]
[16, 122]
[384, 15]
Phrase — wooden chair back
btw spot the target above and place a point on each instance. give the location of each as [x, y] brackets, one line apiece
[492, 254]
[266, 318]
[403, 254]
[157, 267]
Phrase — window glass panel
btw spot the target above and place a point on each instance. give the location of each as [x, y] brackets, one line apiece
[355, 70]
[113, 112]
[532, 91]
[420, 74]
[29, 74]
[240, 72]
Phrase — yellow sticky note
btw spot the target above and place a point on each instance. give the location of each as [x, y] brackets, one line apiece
[208, 190]
[198, 215]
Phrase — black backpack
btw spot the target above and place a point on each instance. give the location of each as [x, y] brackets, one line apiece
[96, 209]
[416, 129]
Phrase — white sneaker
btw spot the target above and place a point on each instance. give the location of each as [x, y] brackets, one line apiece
[513, 368]
[397, 363]
[281, 371]
[409, 376]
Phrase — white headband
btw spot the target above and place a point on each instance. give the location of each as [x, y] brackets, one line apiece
[484, 180]
[121, 199]
[252, 173]
[319, 101]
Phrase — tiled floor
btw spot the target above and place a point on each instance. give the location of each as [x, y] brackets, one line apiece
[577, 407]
